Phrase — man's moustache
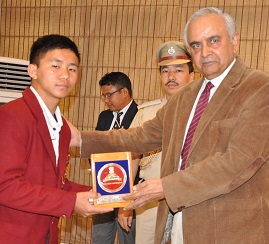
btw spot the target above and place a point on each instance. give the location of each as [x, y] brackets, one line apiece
[171, 82]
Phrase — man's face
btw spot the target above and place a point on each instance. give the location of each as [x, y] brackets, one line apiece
[211, 49]
[56, 74]
[174, 77]
[116, 98]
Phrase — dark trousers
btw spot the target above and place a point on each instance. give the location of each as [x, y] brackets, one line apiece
[105, 227]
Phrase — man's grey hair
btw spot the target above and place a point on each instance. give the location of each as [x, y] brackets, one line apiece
[231, 26]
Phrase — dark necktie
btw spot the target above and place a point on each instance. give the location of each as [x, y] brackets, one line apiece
[201, 105]
[116, 125]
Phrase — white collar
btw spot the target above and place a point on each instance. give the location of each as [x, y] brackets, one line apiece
[124, 110]
[217, 81]
[51, 121]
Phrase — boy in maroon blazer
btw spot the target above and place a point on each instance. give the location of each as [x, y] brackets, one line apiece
[34, 142]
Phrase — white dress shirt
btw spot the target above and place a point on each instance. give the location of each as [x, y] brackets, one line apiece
[54, 123]
[124, 110]
[177, 233]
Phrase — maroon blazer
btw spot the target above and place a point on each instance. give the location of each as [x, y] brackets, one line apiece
[33, 191]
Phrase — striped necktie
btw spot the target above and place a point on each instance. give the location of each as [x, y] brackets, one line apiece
[116, 125]
[201, 105]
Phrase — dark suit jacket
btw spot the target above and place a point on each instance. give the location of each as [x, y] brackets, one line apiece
[32, 188]
[104, 122]
[106, 117]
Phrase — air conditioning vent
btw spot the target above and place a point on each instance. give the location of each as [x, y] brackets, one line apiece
[13, 74]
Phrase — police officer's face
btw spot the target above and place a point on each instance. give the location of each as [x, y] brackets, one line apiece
[174, 77]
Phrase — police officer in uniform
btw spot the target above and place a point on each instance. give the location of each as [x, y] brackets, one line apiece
[176, 70]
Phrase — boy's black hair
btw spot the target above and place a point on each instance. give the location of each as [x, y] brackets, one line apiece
[48, 43]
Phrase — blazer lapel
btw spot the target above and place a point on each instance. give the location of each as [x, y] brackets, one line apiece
[182, 102]
[44, 133]
[219, 98]
[64, 156]
[108, 121]
[189, 96]
[41, 123]
[128, 118]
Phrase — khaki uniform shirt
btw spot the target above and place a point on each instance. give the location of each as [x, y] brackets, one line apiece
[150, 164]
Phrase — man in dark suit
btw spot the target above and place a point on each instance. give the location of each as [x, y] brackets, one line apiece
[116, 91]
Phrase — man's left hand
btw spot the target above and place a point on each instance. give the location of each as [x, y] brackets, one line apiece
[125, 218]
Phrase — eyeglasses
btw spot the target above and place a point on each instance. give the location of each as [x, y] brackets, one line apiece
[109, 94]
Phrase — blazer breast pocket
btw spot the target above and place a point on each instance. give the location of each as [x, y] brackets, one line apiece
[221, 131]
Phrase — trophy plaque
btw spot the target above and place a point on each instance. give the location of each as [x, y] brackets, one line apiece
[112, 177]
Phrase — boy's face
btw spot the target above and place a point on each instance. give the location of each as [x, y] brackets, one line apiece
[55, 76]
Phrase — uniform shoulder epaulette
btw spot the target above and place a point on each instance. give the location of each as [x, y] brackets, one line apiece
[150, 103]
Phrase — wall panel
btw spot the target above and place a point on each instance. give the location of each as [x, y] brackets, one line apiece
[118, 35]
